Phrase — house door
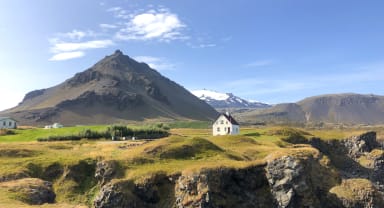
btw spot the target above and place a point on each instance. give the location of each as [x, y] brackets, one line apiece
[229, 130]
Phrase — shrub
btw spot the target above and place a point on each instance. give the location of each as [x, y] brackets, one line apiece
[153, 132]
[4, 132]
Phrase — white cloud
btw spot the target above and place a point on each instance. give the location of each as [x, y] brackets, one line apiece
[154, 24]
[107, 26]
[202, 45]
[259, 63]
[114, 9]
[155, 62]
[119, 12]
[59, 47]
[67, 55]
[162, 25]
[76, 34]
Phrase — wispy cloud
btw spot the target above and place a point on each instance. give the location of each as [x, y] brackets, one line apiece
[108, 26]
[67, 55]
[153, 25]
[119, 12]
[202, 45]
[69, 50]
[259, 63]
[70, 46]
[155, 62]
[76, 34]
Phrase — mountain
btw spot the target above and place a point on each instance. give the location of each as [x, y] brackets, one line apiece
[335, 108]
[115, 89]
[226, 100]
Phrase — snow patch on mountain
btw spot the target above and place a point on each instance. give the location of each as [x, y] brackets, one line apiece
[226, 100]
[207, 94]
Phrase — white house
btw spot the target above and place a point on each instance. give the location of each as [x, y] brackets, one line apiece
[54, 126]
[225, 124]
[7, 123]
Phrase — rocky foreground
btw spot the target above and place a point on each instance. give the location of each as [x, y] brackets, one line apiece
[336, 173]
[287, 181]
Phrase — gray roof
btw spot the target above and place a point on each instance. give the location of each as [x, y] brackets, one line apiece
[229, 118]
[3, 118]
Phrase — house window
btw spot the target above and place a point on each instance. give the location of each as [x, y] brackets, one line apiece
[221, 122]
[4, 123]
[226, 122]
[218, 128]
[10, 123]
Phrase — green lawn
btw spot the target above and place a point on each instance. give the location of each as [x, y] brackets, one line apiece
[29, 135]
[186, 149]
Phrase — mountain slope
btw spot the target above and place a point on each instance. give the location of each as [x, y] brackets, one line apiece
[226, 100]
[115, 89]
[337, 108]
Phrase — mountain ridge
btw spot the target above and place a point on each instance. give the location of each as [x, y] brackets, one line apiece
[115, 89]
[226, 100]
[346, 108]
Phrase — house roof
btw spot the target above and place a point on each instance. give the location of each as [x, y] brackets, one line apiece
[3, 118]
[230, 119]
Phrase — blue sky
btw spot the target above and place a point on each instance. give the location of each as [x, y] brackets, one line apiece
[267, 50]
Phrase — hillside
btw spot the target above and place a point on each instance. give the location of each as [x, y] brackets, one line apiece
[226, 100]
[115, 89]
[336, 108]
[262, 167]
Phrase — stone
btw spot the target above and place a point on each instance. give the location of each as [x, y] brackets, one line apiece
[32, 191]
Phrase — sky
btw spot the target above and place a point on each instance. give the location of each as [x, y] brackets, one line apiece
[271, 51]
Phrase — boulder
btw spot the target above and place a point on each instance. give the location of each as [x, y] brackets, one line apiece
[105, 171]
[32, 191]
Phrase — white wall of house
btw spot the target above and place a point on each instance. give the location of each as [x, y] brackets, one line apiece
[224, 127]
[7, 123]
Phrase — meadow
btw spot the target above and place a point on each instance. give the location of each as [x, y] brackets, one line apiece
[185, 149]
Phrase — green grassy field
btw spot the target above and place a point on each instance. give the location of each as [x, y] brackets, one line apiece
[186, 149]
[32, 134]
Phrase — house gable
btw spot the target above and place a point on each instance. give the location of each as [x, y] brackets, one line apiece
[7, 123]
[225, 124]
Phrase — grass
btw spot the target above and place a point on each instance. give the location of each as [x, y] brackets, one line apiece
[32, 134]
[186, 149]
[190, 125]
[349, 189]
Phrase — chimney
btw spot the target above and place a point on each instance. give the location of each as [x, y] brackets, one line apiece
[227, 113]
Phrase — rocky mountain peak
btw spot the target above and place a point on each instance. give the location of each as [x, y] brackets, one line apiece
[116, 88]
[118, 52]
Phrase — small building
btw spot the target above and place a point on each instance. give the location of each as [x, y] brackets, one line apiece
[7, 123]
[225, 124]
[54, 126]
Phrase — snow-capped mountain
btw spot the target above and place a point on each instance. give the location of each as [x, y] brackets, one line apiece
[226, 100]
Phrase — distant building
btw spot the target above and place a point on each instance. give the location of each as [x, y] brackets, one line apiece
[7, 123]
[225, 124]
[54, 126]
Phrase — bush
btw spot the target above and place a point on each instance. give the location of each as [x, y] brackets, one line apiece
[59, 138]
[153, 132]
[4, 132]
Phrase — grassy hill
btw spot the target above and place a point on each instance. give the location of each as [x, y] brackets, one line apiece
[70, 165]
